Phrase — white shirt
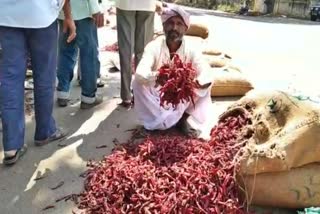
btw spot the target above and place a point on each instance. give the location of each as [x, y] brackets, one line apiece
[140, 5]
[29, 13]
[156, 53]
[147, 97]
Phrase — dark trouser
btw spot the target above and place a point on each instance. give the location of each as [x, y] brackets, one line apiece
[87, 42]
[42, 44]
[135, 31]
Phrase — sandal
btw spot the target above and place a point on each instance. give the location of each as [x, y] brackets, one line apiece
[126, 104]
[10, 160]
[59, 134]
[141, 132]
[100, 83]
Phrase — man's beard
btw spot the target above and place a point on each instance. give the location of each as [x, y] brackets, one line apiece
[173, 36]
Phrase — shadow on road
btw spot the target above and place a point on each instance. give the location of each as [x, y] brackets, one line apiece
[29, 186]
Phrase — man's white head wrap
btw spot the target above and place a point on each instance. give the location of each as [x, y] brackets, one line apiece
[174, 10]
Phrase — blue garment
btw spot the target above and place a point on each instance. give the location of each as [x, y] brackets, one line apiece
[42, 44]
[87, 42]
[29, 13]
[81, 9]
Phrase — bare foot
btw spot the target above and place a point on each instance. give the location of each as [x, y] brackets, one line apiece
[186, 128]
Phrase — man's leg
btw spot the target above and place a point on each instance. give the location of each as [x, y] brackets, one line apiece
[43, 48]
[13, 65]
[148, 109]
[89, 62]
[199, 112]
[79, 70]
[143, 33]
[67, 57]
[100, 83]
[125, 26]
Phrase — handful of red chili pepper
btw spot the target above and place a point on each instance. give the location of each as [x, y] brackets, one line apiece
[177, 81]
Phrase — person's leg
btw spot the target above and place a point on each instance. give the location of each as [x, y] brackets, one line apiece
[43, 48]
[67, 57]
[100, 82]
[89, 62]
[125, 26]
[148, 109]
[143, 33]
[13, 65]
[199, 112]
[79, 69]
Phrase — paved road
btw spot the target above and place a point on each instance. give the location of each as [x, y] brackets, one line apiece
[276, 53]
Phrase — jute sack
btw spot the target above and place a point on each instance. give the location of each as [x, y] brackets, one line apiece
[198, 30]
[215, 52]
[216, 61]
[211, 52]
[284, 134]
[229, 82]
[296, 188]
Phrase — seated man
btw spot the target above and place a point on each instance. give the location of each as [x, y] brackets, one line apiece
[146, 95]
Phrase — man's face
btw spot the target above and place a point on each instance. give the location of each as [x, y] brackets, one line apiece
[174, 29]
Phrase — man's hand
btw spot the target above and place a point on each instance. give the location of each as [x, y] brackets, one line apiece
[159, 7]
[68, 23]
[98, 19]
[204, 86]
[70, 28]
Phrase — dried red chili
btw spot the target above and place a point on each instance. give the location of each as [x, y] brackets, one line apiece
[177, 81]
[169, 174]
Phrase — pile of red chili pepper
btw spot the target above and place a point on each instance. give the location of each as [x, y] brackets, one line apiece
[113, 48]
[169, 174]
[177, 81]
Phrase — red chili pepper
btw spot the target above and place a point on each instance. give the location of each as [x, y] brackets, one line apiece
[168, 174]
[177, 81]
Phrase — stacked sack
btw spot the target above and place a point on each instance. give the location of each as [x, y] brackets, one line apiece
[281, 160]
[229, 79]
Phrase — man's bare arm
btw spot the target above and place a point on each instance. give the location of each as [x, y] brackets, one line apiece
[68, 23]
[97, 14]
[144, 73]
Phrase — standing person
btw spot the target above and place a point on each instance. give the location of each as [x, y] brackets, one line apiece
[29, 26]
[135, 26]
[88, 18]
[0, 59]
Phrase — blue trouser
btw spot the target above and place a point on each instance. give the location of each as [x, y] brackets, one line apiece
[87, 42]
[42, 44]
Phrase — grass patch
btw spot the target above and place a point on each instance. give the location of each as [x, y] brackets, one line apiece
[231, 8]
